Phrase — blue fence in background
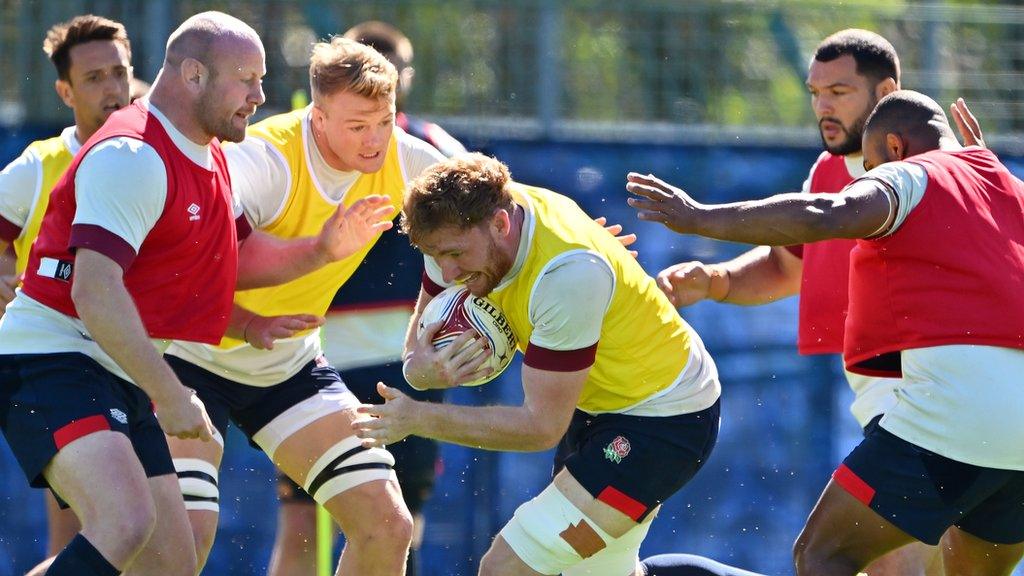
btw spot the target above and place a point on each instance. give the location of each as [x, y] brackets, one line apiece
[784, 418]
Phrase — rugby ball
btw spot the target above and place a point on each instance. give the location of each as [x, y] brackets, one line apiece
[459, 311]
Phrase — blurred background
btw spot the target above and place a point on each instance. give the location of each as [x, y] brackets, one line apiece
[572, 94]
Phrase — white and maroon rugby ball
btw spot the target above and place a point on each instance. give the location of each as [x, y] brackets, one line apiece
[459, 311]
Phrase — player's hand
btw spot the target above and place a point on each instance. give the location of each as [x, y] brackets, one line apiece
[615, 230]
[386, 423]
[262, 331]
[685, 283]
[349, 229]
[184, 416]
[461, 361]
[659, 201]
[7, 285]
[967, 124]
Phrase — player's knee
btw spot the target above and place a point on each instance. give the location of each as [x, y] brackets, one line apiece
[133, 524]
[391, 529]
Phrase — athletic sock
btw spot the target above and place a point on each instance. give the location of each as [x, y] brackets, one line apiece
[81, 558]
[689, 565]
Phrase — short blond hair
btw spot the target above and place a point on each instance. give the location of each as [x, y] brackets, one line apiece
[343, 65]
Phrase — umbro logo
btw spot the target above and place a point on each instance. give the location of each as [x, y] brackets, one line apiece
[193, 211]
[119, 415]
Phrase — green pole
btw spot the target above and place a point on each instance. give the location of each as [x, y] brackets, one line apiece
[324, 542]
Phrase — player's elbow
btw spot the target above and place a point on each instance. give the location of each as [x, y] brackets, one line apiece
[543, 436]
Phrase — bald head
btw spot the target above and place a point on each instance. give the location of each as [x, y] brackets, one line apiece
[202, 36]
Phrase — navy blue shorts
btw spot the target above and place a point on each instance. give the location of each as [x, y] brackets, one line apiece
[923, 493]
[48, 401]
[634, 463]
[416, 458]
[252, 407]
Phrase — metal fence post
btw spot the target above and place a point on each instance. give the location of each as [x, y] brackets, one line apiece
[549, 59]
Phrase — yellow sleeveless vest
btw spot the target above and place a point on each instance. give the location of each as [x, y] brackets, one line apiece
[304, 213]
[644, 343]
[55, 158]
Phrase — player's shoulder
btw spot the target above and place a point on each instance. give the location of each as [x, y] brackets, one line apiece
[279, 128]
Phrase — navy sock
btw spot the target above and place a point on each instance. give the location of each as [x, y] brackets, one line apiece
[689, 565]
[81, 558]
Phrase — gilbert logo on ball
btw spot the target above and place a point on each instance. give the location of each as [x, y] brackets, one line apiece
[460, 311]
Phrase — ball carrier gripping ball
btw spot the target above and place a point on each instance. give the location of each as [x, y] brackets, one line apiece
[459, 311]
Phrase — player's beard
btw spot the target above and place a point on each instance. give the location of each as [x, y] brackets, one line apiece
[498, 266]
[213, 121]
[854, 134]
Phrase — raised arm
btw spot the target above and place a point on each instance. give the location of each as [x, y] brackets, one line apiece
[264, 260]
[859, 211]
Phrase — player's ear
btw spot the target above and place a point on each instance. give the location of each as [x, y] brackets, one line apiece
[502, 221]
[194, 75]
[895, 147]
[885, 87]
[63, 88]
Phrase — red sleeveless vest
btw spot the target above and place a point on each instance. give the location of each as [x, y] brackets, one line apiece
[826, 271]
[183, 278]
[953, 273]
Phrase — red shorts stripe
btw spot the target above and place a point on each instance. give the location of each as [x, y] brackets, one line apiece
[623, 503]
[853, 484]
[79, 428]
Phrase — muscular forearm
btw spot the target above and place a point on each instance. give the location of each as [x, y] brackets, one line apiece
[502, 428]
[762, 275]
[264, 260]
[780, 220]
[112, 320]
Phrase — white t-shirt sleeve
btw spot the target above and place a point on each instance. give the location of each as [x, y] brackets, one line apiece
[415, 155]
[260, 179]
[105, 199]
[561, 319]
[908, 181]
[433, 272]
[19, 185]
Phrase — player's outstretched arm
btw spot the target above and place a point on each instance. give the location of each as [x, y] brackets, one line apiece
[548, 404]
[860, 210]
[759, 276]
[264, 260]
[108, 312]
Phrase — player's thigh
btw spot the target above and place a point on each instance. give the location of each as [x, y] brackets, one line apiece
[310, 438]
[551, 534]
[888, 492]
[966, 555]
[99, 475]
[621, 467]
[615, 471]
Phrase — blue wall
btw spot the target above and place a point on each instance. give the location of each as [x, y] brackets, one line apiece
[784, 419]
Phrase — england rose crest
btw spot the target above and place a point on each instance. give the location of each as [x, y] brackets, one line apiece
[617, 450]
